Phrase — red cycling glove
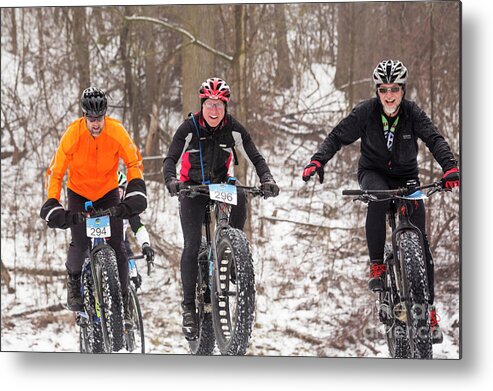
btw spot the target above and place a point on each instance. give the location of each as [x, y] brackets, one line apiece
[312, 168]
[451, 178]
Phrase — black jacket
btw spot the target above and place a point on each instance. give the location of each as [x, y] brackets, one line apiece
[218, 150]
[365, 122]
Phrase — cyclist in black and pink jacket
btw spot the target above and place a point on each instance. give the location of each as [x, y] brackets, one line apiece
[206, 144]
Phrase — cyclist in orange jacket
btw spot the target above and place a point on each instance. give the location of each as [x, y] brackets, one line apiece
[90, 149]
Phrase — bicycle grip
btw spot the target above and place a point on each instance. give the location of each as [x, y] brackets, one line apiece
[352, 192]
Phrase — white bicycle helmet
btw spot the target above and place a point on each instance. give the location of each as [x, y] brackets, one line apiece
[390, 72]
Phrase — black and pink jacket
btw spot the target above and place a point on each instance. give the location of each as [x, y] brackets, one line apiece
[218, 150]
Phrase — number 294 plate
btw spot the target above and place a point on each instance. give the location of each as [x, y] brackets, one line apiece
[224, 193]
[98, 227]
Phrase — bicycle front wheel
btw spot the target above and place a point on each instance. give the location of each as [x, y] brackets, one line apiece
[134, 338]
[416, 289]
[233, 301]
[91, 339]
[111, 306]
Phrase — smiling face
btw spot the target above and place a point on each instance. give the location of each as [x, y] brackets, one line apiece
[213, 111]
[390, 96]
[95, 125]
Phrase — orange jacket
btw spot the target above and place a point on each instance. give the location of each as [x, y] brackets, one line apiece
[92, 162]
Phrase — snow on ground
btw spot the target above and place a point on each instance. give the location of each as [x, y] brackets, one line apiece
[309, 302]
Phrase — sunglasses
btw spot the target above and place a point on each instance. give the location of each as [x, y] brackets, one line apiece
[210, 105]
[94, 119]
[384, 90]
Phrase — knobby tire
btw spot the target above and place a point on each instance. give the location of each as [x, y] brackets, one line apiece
[233, 314]
[94, 342]
[112, 306]
[414, 269]
[135, 338]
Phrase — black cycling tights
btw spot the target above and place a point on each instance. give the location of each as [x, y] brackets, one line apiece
[192, 214]
[376, 224]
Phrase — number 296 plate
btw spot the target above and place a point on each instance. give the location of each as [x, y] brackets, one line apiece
[98, 227]
[224, 193]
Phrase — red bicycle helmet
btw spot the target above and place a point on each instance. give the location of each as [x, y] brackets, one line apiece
[215, 88]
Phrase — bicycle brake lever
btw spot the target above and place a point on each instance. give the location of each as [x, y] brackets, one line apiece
[150, 268]
[366, 198]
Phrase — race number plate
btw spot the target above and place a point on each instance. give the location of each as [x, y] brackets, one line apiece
[98, 227]
[223, 193]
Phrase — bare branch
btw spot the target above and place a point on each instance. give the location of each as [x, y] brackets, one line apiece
[192, 38]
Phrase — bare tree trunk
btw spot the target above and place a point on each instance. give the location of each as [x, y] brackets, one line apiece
[81, 47]
[151, 95]
[197, 63]
[284, 74]
[130, 100]
[14, 28]
[240, 81]
[240, 57]
[432, 100]
[153, 167]
[352, 49]
[150, 66]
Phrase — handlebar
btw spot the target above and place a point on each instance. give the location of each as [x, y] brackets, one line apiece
[99, 213]
[193, 190]
[401, 192]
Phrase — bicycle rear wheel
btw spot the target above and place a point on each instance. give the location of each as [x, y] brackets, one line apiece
[135, 339]
[233, 301]
[205, 342]
[111, 308]
[416, 289]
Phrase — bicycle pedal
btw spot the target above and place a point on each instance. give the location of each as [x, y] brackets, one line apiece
[82, 314]
[82, 319]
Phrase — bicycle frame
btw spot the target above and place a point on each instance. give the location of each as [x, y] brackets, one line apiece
[95, 245]
[222, 211]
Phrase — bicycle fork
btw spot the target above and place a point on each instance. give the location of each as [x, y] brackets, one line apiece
[401, 281]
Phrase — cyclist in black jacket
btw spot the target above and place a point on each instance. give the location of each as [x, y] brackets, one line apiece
[389, 127]
[206, 144]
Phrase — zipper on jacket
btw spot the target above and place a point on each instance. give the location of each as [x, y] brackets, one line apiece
[213, 158]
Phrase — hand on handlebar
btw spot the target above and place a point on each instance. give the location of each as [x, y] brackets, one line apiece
[173, 187]
[269, 187]
[148, 252]
[56, 216]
